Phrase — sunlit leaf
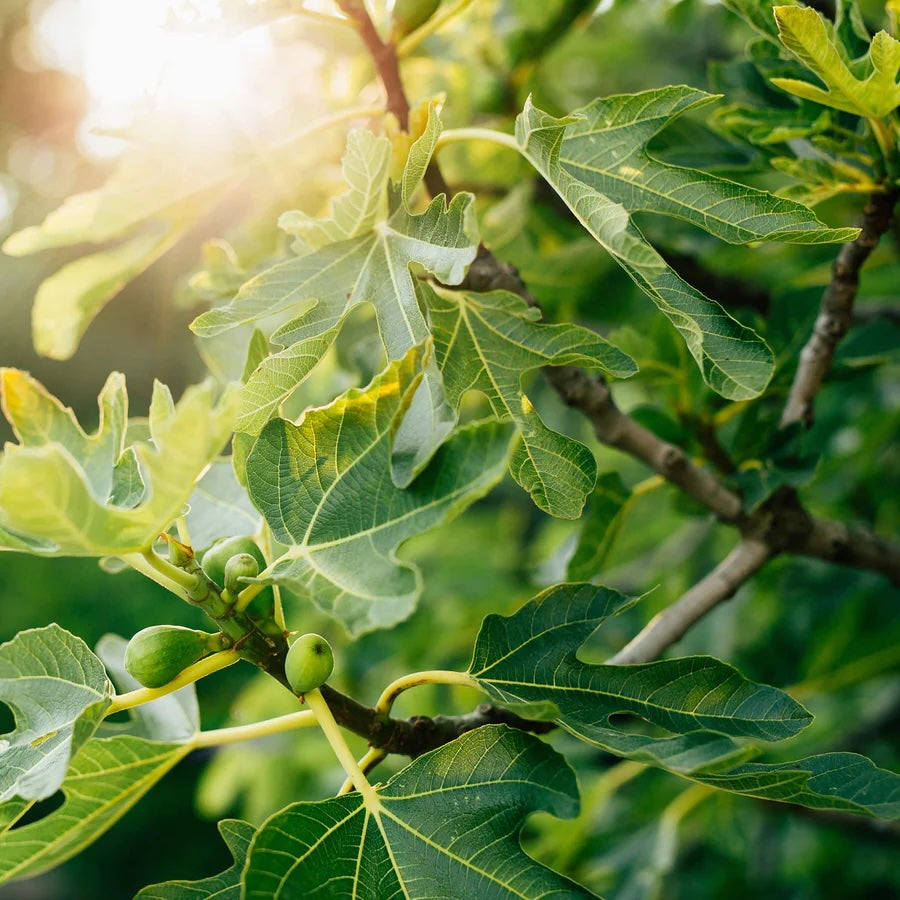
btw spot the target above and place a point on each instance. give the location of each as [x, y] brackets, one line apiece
[59, 487]
[67, 302]
[367, 260]
[486, 342]
[58, 692]
[805, 33]
[445, 826]
[325, 489]
[140, 188]
[105, 779]
[227, 886]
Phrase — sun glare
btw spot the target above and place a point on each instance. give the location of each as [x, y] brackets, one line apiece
[150, 56]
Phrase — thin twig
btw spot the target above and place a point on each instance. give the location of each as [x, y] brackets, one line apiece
[722, 582]
[836, 310]
[387, 66]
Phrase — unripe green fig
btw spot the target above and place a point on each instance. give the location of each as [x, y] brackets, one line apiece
[309, 662]
[408, 15]
[241, 565]
[215, 559]
[155, 655]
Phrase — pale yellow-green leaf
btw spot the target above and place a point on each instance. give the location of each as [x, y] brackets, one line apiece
[67, 302]
[58, 486]
[805, 33]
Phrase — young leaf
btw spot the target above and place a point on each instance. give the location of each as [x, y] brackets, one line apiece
[446, 825]
[105, 779]
[597, 162]
[486, 342]
[58, 692]
[60, 487]
[355, 257]
[530, 657]
[226, 886]
[324, 487]
[805, 33]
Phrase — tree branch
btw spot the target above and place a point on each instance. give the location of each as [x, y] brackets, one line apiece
[836, 310]
[721, 583]
[417, 735]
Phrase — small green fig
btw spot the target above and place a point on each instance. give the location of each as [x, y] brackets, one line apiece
[241, 565]
[215, 559]
[155, 655]
[309, 662]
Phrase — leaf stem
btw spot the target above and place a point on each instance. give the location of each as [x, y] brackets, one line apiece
[414, 679]
[455, 135]
[245, 597]
[141, 563]
[346, 758]
[193, 673]
[436, 22]
[185, 580]
[372, 757]
[304, 718]
[343, 115]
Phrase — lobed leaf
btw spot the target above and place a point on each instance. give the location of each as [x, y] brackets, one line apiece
[530, 657]
[325, 489]
[597, 162]
[445, 826]
[805, 33]
[58, 692]
[486, 342]
[361, 254]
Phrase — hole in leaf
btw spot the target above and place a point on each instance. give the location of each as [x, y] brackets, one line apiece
[7, 719]
[629, 723]
[41, 810]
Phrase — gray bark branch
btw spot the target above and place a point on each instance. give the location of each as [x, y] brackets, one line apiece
[836, 310]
